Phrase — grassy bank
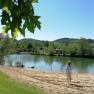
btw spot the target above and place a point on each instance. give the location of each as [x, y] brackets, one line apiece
[8, 86]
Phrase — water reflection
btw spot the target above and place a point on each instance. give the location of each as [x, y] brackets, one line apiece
[51, 63]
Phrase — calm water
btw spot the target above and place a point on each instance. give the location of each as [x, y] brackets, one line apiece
[51, 63]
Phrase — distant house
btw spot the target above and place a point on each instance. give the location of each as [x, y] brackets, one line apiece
[56, 52]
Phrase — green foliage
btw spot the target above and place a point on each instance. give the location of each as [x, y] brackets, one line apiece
[73, 48]
[81, 47]
[84, 47]
[19, 15]
[7, 46]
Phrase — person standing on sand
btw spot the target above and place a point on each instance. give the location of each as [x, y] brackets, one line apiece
[68, 72]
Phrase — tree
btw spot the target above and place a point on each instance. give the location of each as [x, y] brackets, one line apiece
[84, 48]
[18, 15]
[73, 48]
[6, 47]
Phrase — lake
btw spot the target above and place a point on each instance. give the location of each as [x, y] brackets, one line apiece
[51, 63]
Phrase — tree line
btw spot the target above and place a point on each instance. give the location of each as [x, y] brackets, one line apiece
[79, 48]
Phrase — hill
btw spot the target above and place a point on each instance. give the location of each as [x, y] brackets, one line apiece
[70, 40]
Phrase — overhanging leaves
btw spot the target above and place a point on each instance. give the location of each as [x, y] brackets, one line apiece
[17, 15]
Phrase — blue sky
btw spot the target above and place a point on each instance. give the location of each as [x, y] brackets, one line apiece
[64, 18]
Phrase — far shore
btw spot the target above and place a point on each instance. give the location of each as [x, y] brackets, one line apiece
[67, 55]
[52, 83]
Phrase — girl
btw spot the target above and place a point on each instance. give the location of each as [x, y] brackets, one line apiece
[68, 72]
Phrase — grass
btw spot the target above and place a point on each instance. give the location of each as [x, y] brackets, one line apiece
[8, 86]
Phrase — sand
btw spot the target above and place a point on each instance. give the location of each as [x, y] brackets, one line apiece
[52, 83]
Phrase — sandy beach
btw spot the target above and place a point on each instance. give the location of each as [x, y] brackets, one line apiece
[52, 83]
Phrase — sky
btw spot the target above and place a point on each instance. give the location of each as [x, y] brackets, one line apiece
[64, 19]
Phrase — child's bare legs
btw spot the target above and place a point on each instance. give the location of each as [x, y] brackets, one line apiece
[69, 78]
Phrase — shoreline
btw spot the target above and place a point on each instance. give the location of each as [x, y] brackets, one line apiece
[52, 83]
[74, 56]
